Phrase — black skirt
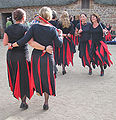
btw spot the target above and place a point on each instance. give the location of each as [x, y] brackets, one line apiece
[19, 74]
[100, 54]
[43, 73]
[84, 52]
[64, 55]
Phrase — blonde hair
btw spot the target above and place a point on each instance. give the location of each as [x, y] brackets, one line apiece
[46, 13]
[76, 17]
[64, 19]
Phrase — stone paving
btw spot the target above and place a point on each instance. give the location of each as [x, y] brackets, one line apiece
[79, 96]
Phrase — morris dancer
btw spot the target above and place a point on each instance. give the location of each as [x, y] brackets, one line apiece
[99, 51]
[83, 29]
[65, 53]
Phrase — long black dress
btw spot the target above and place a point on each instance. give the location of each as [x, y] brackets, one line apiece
[100, 54]
[85, 43]
[18, 64]
[42, 63]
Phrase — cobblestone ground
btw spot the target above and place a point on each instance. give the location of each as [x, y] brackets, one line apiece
[79, 96]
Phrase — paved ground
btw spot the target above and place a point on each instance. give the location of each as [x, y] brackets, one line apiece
[79, 96]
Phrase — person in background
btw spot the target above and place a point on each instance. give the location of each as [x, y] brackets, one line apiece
[100, 54]
[83, 29]
[66, 52]
[108, 37]
[8, 23]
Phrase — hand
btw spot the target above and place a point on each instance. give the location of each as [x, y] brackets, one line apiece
[105, 31]
[15, 44]
[69, 35]
[80, 31]
[9, 46]
[49, 49]
[59, 32]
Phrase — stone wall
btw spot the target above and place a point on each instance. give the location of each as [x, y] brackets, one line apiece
[107, 13]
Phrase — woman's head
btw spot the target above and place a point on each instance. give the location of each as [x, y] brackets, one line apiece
[19, 15]
[94, 18]
[46, 13]
[65, 20]
[54, 14]
[76, 17]
[83, 17]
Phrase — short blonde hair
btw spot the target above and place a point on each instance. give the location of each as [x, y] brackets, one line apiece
[46, 13]
[64, 19]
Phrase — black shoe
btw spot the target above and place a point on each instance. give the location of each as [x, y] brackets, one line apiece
[24, 106]
[45, 107]
[93, 66]
[90, 72]
[105, 66]
[21, 106]
[64, 72]
[102, 73]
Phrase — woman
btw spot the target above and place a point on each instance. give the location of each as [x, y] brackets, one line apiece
[65, 53]
[83, 29]
[18, 64]
[99, 51]
[42, 62]
[108, 37]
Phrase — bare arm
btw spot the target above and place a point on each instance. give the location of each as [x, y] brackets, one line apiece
[36, 45]
[5, 39]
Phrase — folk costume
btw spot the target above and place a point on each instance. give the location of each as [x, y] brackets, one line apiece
[18, 64]
[66, 52]
[85, 43]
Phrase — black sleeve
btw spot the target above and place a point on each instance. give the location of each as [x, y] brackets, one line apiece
[7, 30]
[57, 40]
[26, 37]
[78, 26]
[72, 31]
[103, 25]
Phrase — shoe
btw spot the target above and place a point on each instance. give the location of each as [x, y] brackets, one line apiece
[105, 66]
[102, 73]
[93, 66]
[21, 106]
[90, 72]
[24, 106]
[64, 72]
[45, 107]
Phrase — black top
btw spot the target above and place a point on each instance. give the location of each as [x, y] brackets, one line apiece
[67, 30]
[109, 28]
[16, 32]
[75, 22]
[86, 34]
[54, 23]
[44, 35]
[97, 33]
